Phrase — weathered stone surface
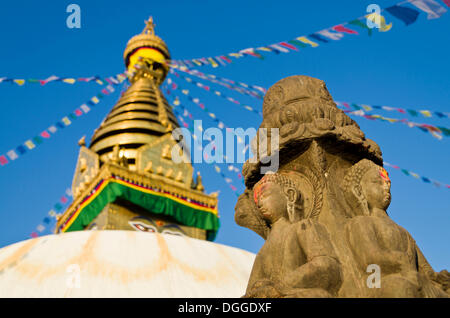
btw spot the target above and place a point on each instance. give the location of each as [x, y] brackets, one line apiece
[323, 213]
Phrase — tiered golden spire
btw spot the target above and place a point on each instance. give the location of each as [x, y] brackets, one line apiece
[142, 113]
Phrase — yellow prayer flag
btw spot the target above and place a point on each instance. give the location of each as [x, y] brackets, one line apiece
[213, 63]
[217, 169]
[69, 80]
[367, 107]
[415, 175]
[66, 121]
[426, 113]
[379, 20]
[95, 100]
[263, 48]
[99, 82]
[19, 82]
[29, 144]
[304, 39]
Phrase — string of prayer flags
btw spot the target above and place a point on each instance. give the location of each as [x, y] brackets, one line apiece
[53, 78]
[196, 101]
[31, 143]
[435, 131]
[334, 33]
[216, 167]
[187, 114]
[228, 84]
[53, 213]
[417, 176]
[415, 113]
[207, 88]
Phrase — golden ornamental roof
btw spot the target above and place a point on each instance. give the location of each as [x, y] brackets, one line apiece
[147, 38]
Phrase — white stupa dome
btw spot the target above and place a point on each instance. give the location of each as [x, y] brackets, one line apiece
[122, 264]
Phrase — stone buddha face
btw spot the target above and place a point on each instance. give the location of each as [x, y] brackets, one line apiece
[376, 188]
[276, 197]
[367, 188]
[271, 202]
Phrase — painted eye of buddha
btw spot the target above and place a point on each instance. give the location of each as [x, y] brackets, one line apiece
[139, 226]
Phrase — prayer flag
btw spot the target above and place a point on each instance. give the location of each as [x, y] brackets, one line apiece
[434, 9]
[304, 39]
[288, 46]
[426, 113]
[361, 25]
[66, 121]
[331, 35]
[45, 134]
[19, 82]
[12, 155]
[298, 43]
[3, 160]
[37, 140]
[407, 15]
[213, 62]
[318, 38]
[21, 149]
[379, 19]
[69, 80]
[341, 28]
[29, 144]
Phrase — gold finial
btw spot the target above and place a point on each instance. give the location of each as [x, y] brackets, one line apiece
[149, 26]
[82, 141]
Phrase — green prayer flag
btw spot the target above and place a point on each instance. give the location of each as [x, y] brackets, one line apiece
[405, 172]
[38, 140]
[298, 43]
[446, 131]
[412, 112]
[72, 116]
[361, 25]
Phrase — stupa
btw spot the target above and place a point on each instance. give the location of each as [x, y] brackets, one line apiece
[139, 224]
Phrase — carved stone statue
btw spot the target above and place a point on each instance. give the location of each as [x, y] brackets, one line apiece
[297, 250]
[323, 212]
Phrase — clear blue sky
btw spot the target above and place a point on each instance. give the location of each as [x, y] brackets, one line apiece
[405, 67]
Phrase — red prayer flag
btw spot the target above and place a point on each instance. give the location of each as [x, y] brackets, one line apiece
[341, 28]
[201, 105]
[3, 160]
[45, 134]
[447, 2]
[225, 58]
[63, 200]
[78, 112]
[288, 46]
[401, 110]
[34, 234]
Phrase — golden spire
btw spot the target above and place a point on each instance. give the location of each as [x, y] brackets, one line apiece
[142, 113]
[146, 55]
[149, 27]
